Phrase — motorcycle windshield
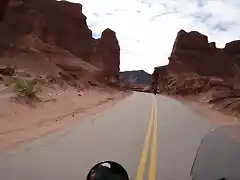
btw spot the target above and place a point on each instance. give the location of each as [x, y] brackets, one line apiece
[218, 156]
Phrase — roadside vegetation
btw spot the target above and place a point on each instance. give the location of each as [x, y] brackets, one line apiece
[25, 88]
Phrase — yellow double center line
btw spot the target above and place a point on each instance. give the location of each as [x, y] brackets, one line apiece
[152, 129]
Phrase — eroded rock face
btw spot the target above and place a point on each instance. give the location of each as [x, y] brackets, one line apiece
[206, 73]
[192, 54]
[233, 49]
[106, 54]
[190, 41]
[3, 6]
[57, 23]
[196, 54]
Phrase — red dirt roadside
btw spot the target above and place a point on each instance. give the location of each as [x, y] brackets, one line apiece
[60, 109]
[213, 116]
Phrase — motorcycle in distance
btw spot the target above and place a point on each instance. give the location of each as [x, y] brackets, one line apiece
[217, 158]
[155, 89]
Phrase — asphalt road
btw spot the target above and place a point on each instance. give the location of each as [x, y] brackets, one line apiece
[152, 137]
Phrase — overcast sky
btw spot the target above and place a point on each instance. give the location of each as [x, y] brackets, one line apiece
[146, 29]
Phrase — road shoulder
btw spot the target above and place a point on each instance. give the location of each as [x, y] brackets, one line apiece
[211, 115]
[21, 123]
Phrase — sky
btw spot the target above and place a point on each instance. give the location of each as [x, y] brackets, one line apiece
[146, 29]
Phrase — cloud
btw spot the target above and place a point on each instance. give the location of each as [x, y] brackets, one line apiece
[146, 29]
[200, 3]
[221, 26]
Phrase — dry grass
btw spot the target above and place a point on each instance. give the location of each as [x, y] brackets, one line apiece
[25, 88]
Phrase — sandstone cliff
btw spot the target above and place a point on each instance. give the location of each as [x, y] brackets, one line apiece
[196, 67]
[32, 24]
[3, 5]
[106, 54]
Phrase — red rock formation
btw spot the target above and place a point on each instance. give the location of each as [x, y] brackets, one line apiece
[3, 5]
[233, 49]
[196, 54]
[198, 68]
[191, 41]
[57, 23]
[193, 54]
[107, 50]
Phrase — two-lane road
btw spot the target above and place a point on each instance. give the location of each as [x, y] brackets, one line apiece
[153, 137]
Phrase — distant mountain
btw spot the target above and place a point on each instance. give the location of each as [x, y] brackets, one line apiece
[135, 77]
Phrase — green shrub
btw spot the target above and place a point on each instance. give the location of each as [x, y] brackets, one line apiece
[26, 88]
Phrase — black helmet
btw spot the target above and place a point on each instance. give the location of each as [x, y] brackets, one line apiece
[107, 170]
